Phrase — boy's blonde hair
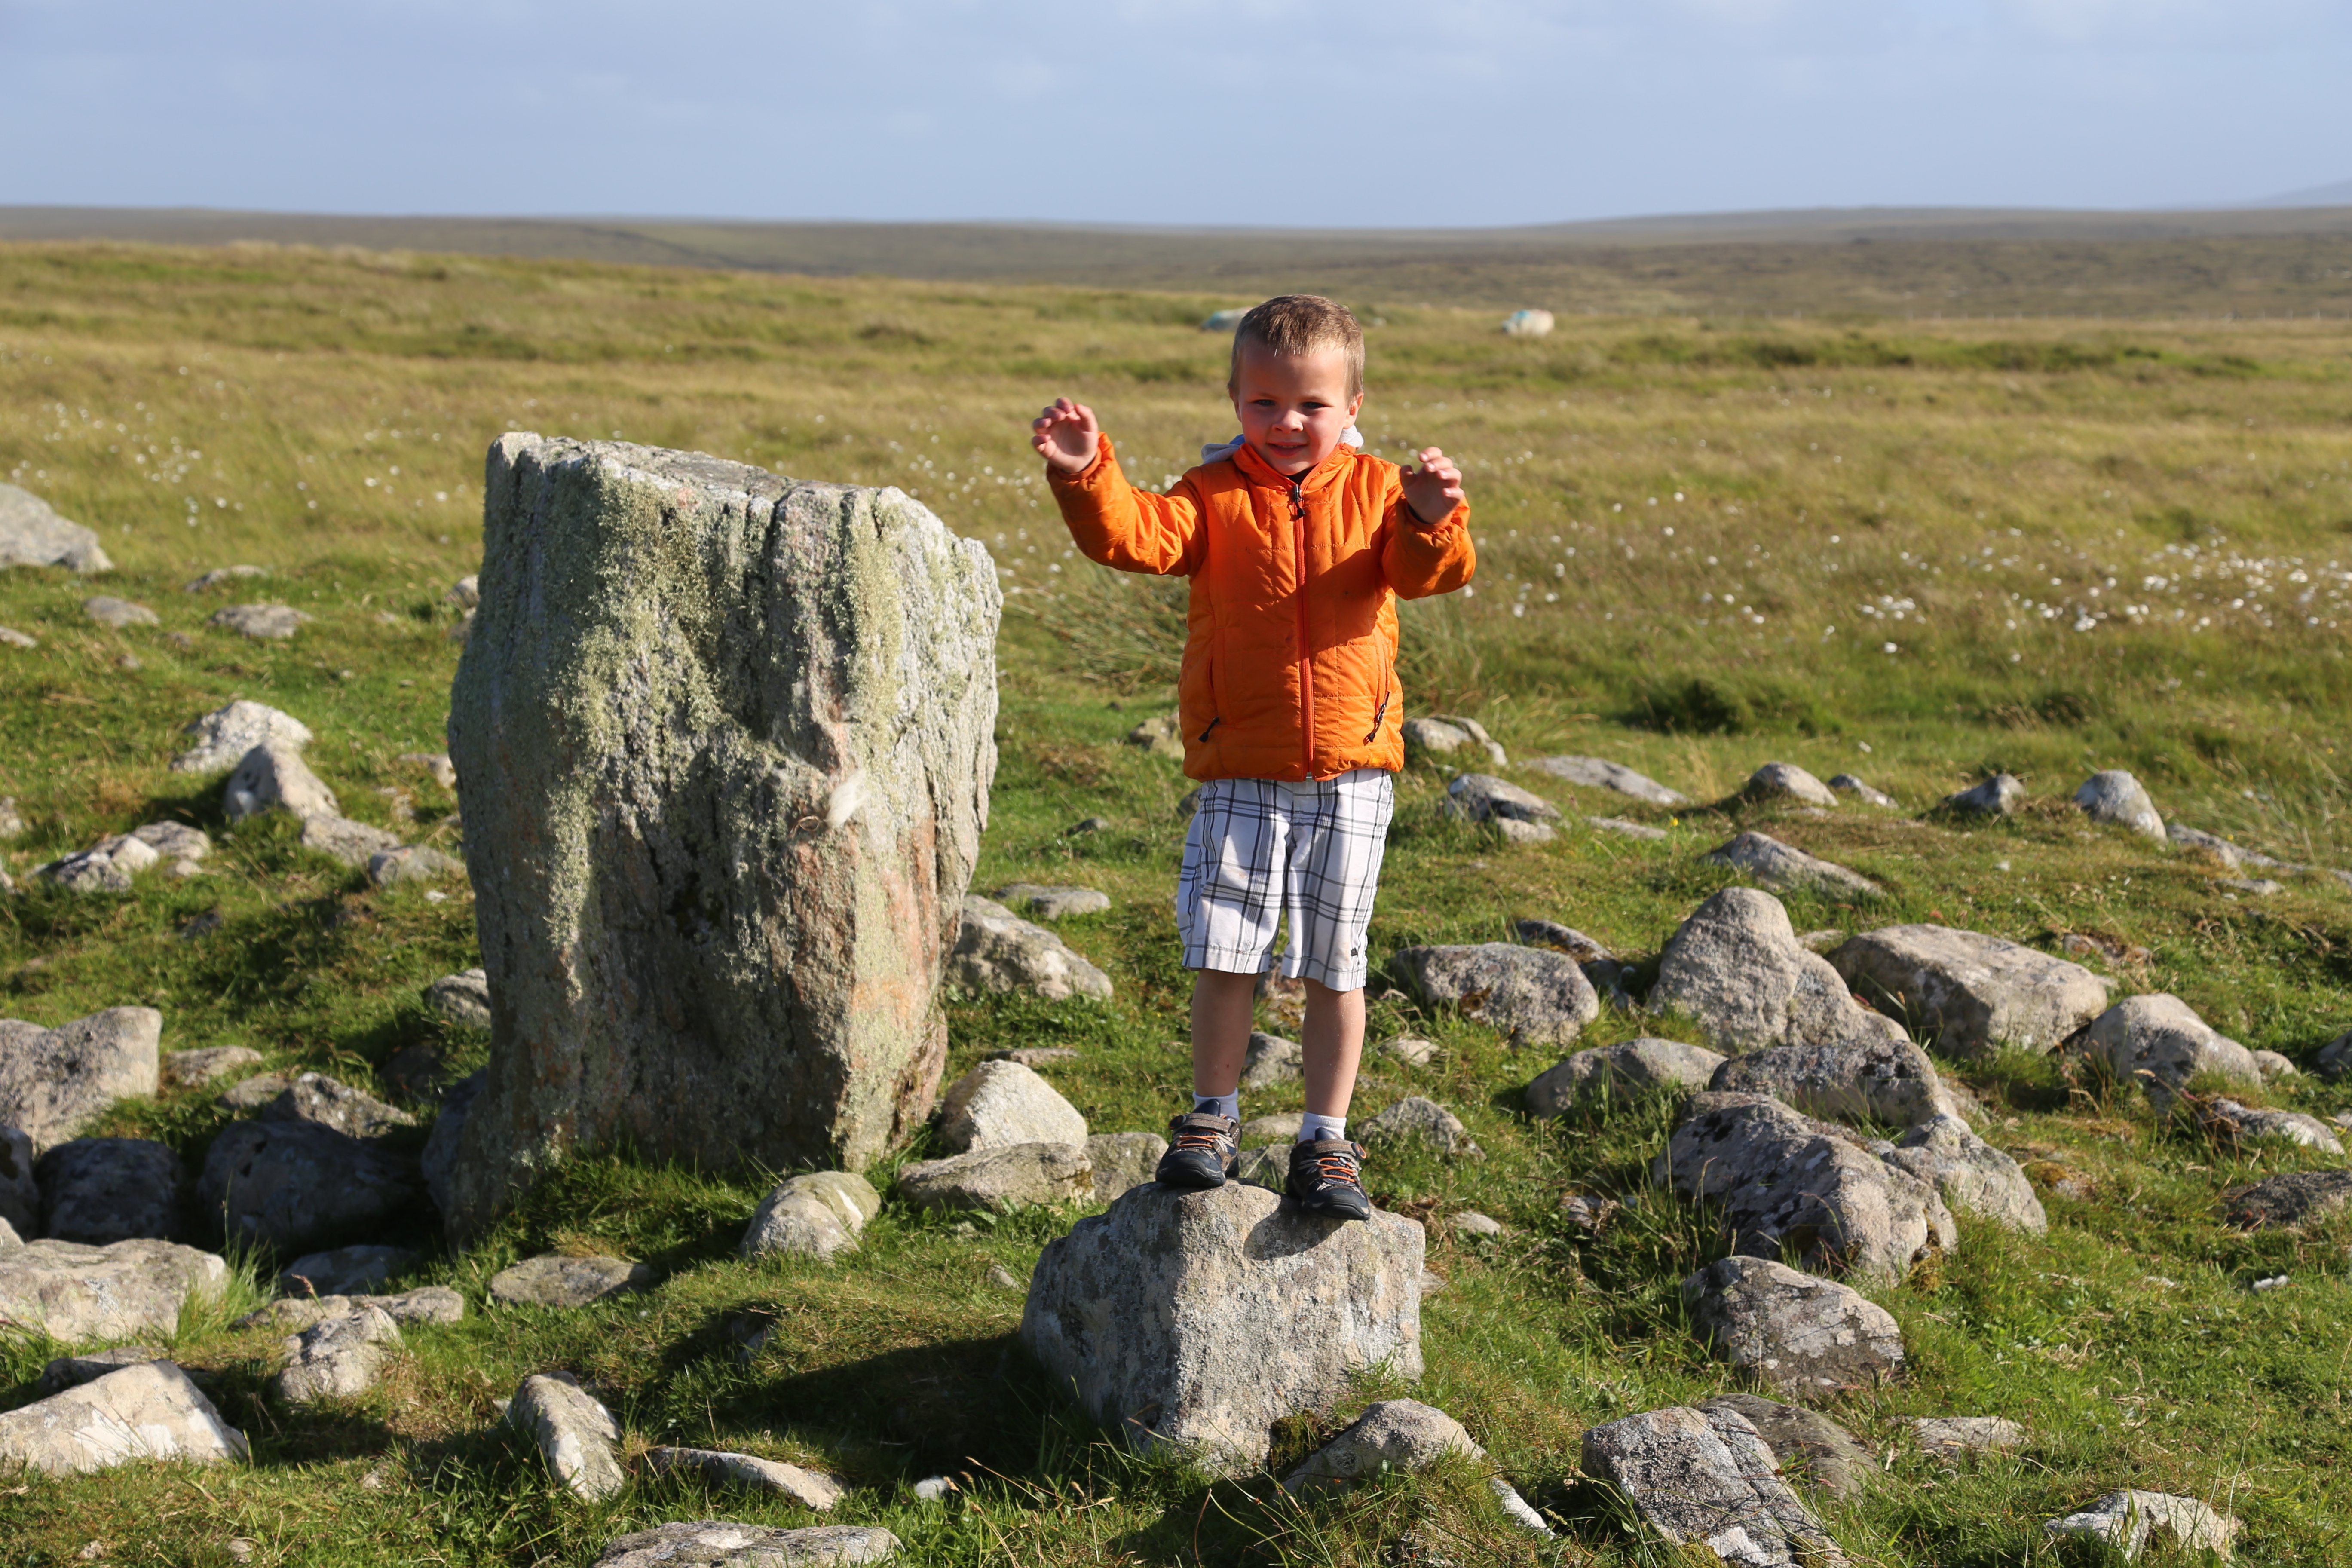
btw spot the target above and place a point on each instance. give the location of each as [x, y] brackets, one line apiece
[1298, 325]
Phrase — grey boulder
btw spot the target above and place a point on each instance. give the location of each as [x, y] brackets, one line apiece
[748, 1472]
[2115, 797]
[1053, 903]
[1436, 737]
[719, 1543]
[996, 950]
[409, 863]
[314, 1097]
[116, 614]
[1738, 971]
[1531, 996]
[1846, 783]
[551, 1280]
[463, 998]
[1786, 781]
[575, 1434]
[1809, 1445]
[249, 1094]
[20, 1190]
[105, 868]
[1599, 773]
[1777, 865]
[2231, 1120]
[1999, 795]
[1969, 992]
[1124, 1160]
[813, 1215]
[1949, 1437]
[52, 1081]
[1706, 1478]
[1804, 1335]
[2130, 1521]
[337, 1357]
[353, 842]
[2159, 1043]
[296, 1183]
[1269, 1059]
[1482, 797]
[67, 1372]
[1883, 1080]
[272, 776]
[149, 1412]
[1001, 1178]
[1414, 1120]
[222, 737]
[1196, 1321]
[346, 1270]
[72, 1293]
[1631, 1068]
[272, 622]
[2282, 1202]
[999, 1104]
[426, 1304]
[1972, 1176]
[1393, 1434]
[96, 1191]
[193, 1070]
[33, 534]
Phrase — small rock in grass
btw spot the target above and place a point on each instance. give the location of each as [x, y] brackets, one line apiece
[2227, 1118]
[2184, 837]
[1411, 1050]
[72, 1371]
[1482, 797]
[33, 534]
[438, 1162]
[272, 776]
[1282, 1127]
[463, 998]
[1516, 830]
[575, 1434]
[1585, 950]
[108, 611]
[1972, 1177]
[1033, 1057]
[998, 1104]
[293, 1314]
[814, 1215]
[102, 1190]
[2282, 1202]
[1420, 1121]
[99, 870]
[1470, 1222]
[2115, 797]
[1089, 825]
[717, 1543]
[2129, 1520]
[1627, 1068]
[1807, 1443]
[1002, 1277]
[1599, 773]
[1401, 1435]
[465, 592]
[1786, 781]
[2274, 1066]
[11, 637]
[252, 1093]
[1950, 1437]
[2159, 1042]
[551, 1280]
[1533, 995]
[1777, 865]
[337, 1357]
[1269, 1059]
[222, 737]
[1625, 829]
[997, 951]
[435, 763]
[2252, 887]
[1809, 1336]
[1123, 1161]
[12, 821]
[1001, 1178]
[149, 1412]
[1160, 737]
[353, 842]
[1846, 783]
[52, 1081]
[329, 1102]
[1706, 1478]
[219, 574]
[810, 1489]
[409, 863]
[1999, 795]
[174, 840]
[345, 1271]
[272, 622]
[1051, 903]
[1824, 940]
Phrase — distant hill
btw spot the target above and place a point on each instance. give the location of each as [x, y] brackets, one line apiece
[2336, 195]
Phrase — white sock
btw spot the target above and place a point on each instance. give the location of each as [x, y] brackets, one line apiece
[1313, 1129]
[1228, 1106]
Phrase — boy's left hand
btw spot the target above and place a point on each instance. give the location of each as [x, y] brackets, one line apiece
[1433, 490]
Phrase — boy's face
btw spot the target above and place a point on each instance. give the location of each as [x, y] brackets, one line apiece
[1293, 407]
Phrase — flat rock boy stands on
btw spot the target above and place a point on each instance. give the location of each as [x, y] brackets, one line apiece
[1297, 546]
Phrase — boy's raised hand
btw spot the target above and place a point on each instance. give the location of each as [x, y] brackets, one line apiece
[1066, 436]
[1433, 490]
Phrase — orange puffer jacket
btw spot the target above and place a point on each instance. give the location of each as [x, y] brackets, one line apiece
[1290, 653]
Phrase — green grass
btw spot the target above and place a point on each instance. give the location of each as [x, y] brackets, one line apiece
[2127, 1341]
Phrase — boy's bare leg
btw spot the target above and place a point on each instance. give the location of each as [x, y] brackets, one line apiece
[1333, 1047]
[1223, 1007]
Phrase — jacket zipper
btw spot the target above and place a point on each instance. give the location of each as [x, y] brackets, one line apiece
[1379, 714]
[1213, 725]
[1305, 653]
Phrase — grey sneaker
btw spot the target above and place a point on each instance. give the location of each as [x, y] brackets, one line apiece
[1326, 1177]
[1201, 1151]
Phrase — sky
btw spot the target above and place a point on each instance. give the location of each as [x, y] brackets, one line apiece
[1262, 113]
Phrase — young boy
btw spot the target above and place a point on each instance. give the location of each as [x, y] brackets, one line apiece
[1297, 546]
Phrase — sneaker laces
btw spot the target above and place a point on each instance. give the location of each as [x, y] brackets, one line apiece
[1337, 1166]
[1197, 1137]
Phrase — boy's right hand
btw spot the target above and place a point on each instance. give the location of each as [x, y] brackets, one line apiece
[1066, 436]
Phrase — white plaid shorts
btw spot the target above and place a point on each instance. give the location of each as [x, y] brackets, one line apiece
[1259, 849]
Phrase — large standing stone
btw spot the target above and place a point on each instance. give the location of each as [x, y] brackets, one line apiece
[1972, 1177]
[33, 534]
[51, 1081]
[553, 1280]
[576, 1435]
[1629, 1067]
[337, 1357]
[2159, 1042]
[71, 1292]
[102, 1190]
[1532, 995]
[1737, 970]
[1971, 993]
[720, 1544]
[727, 742]
[1706, 1478]
[147, 1412]
[813, 1215]
[1198, 1319]
[1889, 1081]
[296, 1183]
[999, 1104]
[222, 738]
[1001, 1178]
[1599, 773]
[2129, 1519]
[1806, 1335]
[1789, 1182]
[1784, 866]
[996, 950]
[2114, 795]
